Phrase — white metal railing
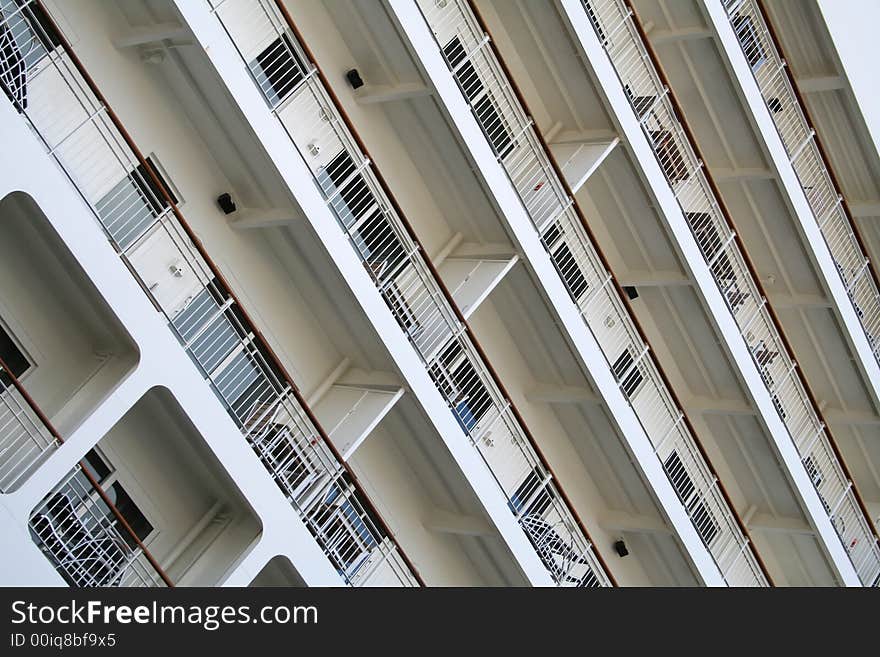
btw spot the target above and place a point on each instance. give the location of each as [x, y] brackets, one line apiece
[615, 26]
[82, 537]
[510, 132]
[55, 96]
[24, 441]
[770, 72]
[294, 92]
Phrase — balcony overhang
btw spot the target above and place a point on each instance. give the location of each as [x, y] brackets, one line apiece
[820, 83]
[625, 522]
[679, 34]
[448, 522]
[152, 34]
[862, 209]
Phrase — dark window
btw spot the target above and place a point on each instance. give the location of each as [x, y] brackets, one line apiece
[96, 466]
[211, 336]
[594, 19]
[749, 40]
[684, 487]
[346, 530]
[78, 530]
[813, 471]
[633, 377]
[565, 262]
[484, 108]
[815, 475]
[26, 35]
[14, 358]
[402, 310]
[681, 482]
[671, 160]
[706, 526]
[372, 232]
[533, 491]
[641, 104]
[278, 450]
[457, 379]
[41, 24]
[132, 205]
[150, 189]
[132, 514]
[278, 69]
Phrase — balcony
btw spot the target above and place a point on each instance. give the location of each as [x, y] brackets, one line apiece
[138, 512]
[137, 208]
[61, 347]
[622, 38]
[502, 298]
[808, 159]
[542, 188]
[296, 94]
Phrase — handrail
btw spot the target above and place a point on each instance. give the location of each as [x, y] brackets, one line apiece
[296, 91]
[132, 204]
[503, 115]
[677, 152]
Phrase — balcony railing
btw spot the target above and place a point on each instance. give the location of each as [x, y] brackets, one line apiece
[650, 98]
[295, 92]
[24, 441]
[49, 87]
[508, 127]
[804, 152]
[81, 536]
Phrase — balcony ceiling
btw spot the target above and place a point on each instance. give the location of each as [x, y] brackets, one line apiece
[558, 87]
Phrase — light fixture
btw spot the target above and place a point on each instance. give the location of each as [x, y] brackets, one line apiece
[226, 203]
[631, 291]
[620, 548]
[354, 79]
